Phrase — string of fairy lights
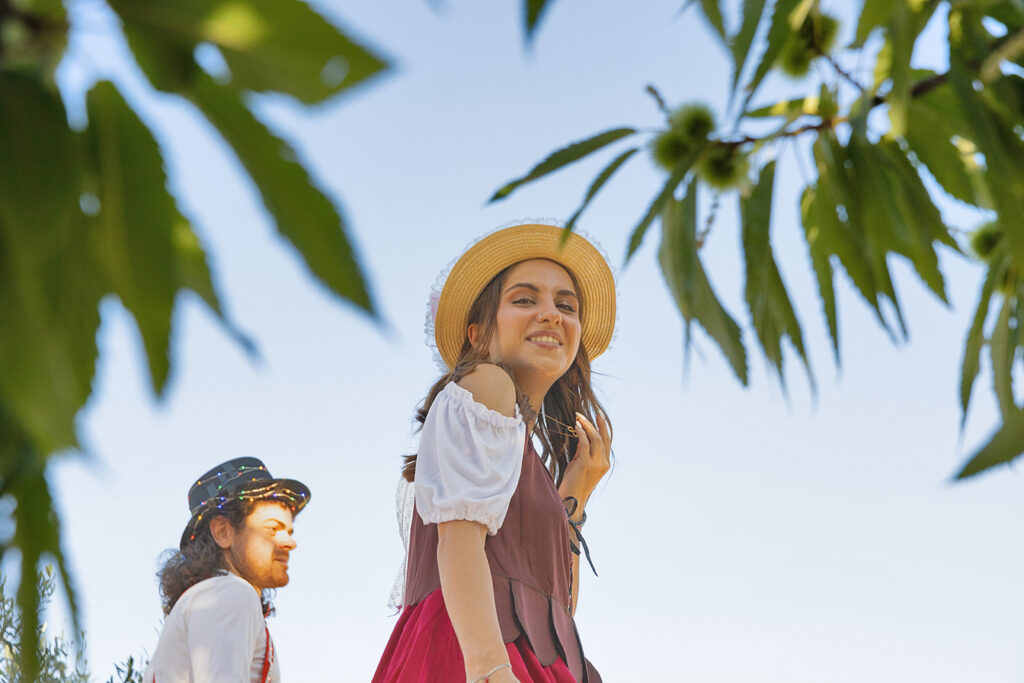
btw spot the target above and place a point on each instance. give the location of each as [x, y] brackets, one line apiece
[272, 490]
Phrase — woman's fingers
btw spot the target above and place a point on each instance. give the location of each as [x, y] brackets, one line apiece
[594, 438]
[583, 447]
[606, 432]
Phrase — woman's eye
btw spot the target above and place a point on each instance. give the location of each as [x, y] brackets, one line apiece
[523, 300]
[567, 307]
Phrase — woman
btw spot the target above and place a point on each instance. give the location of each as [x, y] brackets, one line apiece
[492, 572]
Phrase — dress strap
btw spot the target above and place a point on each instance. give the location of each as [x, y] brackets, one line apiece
[268, 655]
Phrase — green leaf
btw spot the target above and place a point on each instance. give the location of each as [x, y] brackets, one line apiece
[815, 213]
[1005, 95]
[49, 317]
[799, 15]
[873, 14]
[1002, 353]
[51, 9]
[778, 33]
[1004, 156]
[534, 11]
[713, 13]
[684, 273]
[846, 238]
[915, 202]
[193, 273]
[564, 157]
[770, 307]
[1009, 50]
[791, 109]
[49, 308]
[1004, 446]
[268, 45]
[740, 44]
[302, 213]
[1009, 13]
[677, 176]
[34, 128]
[597, 184]
[930, 137]
[883, 64]
[133, 232]
[902, 38]
[902, 217]
[975, 338]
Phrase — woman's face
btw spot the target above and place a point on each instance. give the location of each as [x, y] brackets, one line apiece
[537, 325]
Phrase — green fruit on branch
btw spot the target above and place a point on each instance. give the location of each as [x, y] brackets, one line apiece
[816, 37]
[986, 239]
[670, 147]
[694, 121]
[724, 166]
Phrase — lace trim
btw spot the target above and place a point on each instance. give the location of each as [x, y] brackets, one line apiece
[405, 497]
[435, 290]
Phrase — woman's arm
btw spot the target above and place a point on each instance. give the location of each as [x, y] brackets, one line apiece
[469, 597]
[591, 462]
[465, 574]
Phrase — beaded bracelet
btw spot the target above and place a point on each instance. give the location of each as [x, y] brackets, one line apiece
[487, 676]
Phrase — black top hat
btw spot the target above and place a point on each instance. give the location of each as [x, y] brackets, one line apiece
[242, 478]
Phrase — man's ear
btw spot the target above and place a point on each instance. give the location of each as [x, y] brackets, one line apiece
[222, 531]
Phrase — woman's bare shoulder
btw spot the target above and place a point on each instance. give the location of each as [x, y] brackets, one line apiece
[492, 387]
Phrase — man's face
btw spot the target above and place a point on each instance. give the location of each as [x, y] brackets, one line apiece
[258, 551]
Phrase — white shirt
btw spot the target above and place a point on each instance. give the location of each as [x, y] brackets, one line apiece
[215, 633]
[469, 460]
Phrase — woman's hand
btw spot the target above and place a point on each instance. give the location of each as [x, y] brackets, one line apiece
[591, 462]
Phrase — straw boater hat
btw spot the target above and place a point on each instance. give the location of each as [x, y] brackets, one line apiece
[488, 257]
[242, 478]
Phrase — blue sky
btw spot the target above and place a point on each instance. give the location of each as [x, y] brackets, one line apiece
[743, 535]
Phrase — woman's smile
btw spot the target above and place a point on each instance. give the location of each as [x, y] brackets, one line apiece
[537, 331]
[546, 340]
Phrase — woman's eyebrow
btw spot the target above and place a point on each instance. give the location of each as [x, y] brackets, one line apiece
[525, 285]
[535, 288]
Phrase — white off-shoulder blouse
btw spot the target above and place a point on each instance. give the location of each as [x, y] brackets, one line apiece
[469, 460]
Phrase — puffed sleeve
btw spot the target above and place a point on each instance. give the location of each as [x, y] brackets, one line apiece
[468, 462]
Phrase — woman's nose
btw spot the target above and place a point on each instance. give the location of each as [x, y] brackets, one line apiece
[549, 311]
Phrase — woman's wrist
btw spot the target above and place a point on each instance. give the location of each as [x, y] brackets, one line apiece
[572, 489]
[574, 511]
[484, 677]
[479, 663]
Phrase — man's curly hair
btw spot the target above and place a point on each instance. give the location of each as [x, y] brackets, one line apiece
[203, 558]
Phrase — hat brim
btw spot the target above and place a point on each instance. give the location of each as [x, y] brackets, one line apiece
[289, 492]
[495, 252]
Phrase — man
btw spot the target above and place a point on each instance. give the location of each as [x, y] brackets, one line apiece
[214, 589]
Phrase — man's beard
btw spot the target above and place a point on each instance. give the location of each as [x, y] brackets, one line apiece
[261, 576]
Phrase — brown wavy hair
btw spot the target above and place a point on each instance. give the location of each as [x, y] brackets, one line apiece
[571, 393]
[203, 558]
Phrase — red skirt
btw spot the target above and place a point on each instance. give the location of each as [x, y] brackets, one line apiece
[424, 649]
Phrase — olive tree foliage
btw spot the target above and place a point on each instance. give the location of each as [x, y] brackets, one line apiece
[878, 139]
[58, 659]
[85, 214]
